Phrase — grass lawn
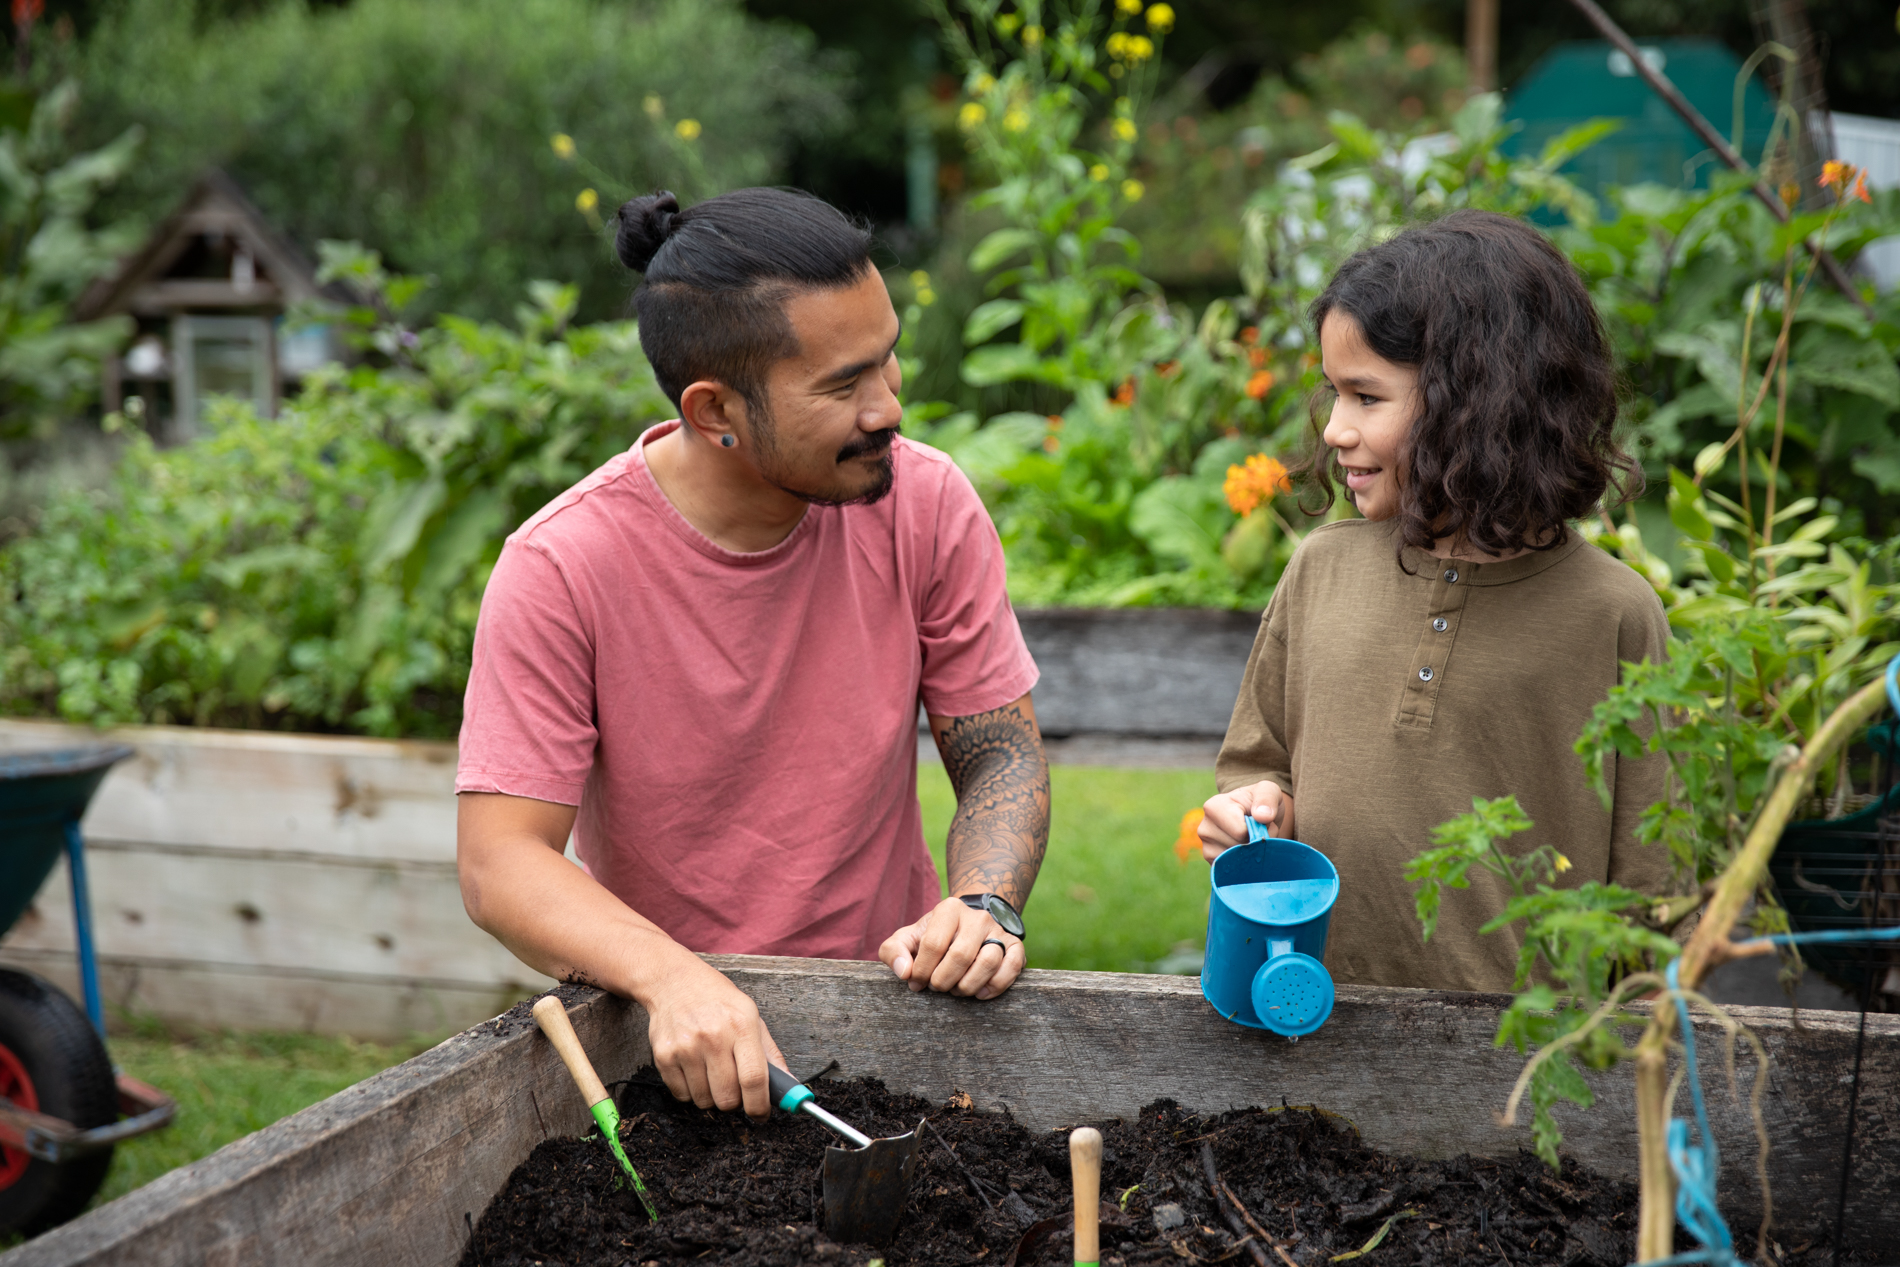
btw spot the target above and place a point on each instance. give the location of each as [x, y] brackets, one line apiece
[1111, 897]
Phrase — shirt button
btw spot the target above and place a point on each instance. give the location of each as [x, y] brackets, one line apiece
[1441, 624]
[1425, 674]
[1451, 576]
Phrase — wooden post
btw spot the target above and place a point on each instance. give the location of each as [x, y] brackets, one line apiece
[1481, 44]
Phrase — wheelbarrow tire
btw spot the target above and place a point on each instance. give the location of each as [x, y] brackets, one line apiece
[51, 1040]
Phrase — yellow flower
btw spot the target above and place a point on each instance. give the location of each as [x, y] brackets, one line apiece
[563, 145]
[687, 129]
[1130, 7]
[1133, 190]
[586, 200]
[1160, 19]
[982, 84]
[1188, 842]
[1258, 481]
[1117, 45]
[1140, 48]
[1124, 129]
[972, 114]
[1099, 172]
[1563, 864]
[1008, 22]
[1016, 120]
[1032, 36]
[919, 278]
[654, 107]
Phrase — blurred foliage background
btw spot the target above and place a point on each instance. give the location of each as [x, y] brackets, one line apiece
[1102, 222]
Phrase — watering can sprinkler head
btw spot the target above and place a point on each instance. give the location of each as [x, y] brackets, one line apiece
[1266, 934]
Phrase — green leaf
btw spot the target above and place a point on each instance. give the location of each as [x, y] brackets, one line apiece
[1182, 520]
[1000, 363]
[999, 246]
[990, 319]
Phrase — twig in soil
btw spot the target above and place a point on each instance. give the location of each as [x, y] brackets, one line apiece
[1266, 1238]
[1227, 1211]
[975, 1184]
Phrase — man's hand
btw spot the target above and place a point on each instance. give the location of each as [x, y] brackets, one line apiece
[708, 1040]
[1224, 821]
[946, 951]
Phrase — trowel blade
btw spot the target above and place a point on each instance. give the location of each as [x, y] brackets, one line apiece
[865, 1189]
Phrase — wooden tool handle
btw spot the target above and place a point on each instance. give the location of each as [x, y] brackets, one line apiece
[551, 1015]
[1085, 1168]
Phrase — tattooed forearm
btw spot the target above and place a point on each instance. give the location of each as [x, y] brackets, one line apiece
[1001, 777]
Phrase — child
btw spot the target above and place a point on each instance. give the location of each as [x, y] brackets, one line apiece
[1451, 643]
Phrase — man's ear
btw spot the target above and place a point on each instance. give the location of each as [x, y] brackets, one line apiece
[715, 411]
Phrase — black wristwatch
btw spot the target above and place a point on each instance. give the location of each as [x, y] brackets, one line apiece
[999, 910]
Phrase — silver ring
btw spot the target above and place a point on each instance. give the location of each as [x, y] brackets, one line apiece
[994, 941]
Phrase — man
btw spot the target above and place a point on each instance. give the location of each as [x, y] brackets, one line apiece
[704, 662]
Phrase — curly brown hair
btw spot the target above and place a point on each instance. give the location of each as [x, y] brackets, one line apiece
[1517, 419]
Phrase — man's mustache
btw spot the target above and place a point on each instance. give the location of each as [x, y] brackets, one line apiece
[877, 442]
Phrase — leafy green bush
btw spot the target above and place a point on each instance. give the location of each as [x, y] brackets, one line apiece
[422, 127]
[323, 570]
[49, 251]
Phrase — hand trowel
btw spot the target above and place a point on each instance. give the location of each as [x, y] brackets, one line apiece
[867, 1184]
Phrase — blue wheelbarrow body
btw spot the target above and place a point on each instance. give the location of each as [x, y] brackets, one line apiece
[43, 795]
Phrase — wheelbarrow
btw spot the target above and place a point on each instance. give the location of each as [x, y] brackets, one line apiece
[62, 1104]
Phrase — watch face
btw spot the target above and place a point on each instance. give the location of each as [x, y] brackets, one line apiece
[1005, 914]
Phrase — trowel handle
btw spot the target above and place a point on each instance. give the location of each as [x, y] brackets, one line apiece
[1085, 1169]
[787, 1092]
[551, 1015]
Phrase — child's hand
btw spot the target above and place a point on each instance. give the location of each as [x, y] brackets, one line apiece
[1225, 822]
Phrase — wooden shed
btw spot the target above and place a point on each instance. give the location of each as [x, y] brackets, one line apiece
[210, 291]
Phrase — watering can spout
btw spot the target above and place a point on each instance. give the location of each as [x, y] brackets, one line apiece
[1266, 935]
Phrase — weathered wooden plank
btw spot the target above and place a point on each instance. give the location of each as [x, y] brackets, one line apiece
[353, 917]
[1138, 671]
[387, 1171]
[383, 1009]
[253, 790]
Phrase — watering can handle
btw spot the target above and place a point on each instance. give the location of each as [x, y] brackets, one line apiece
[1257, 831]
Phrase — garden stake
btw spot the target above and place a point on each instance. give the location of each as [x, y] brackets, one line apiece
[551, 1015]
[1085, 1176]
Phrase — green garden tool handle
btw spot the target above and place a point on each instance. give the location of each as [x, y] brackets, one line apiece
[794, 1096]
[551, 1015]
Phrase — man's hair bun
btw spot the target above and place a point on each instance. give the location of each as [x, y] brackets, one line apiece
[645, 224]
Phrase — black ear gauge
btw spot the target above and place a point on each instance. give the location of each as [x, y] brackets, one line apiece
[728, 441]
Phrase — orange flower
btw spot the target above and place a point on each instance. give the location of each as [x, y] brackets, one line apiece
[1125, 394]
[1187, 844]
[1847, 180]
[1165, 368]
[1055, 422]
[1248, 335]
[1260, 383]
[1050, 444]
[1256, 357]
[1248, 486]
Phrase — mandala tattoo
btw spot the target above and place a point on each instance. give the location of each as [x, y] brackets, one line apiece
[1001, 777]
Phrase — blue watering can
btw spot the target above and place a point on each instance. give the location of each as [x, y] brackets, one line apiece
[1266, 934]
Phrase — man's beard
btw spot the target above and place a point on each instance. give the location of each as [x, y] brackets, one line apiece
[765, 441]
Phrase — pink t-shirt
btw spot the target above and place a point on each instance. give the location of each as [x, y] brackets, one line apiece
[739, 730]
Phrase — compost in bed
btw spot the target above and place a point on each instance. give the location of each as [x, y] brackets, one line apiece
[989, 1191]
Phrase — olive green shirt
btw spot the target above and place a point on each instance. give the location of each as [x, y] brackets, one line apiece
[1385, 695]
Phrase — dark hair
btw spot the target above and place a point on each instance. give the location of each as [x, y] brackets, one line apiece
[1517, 418]
[712, 303]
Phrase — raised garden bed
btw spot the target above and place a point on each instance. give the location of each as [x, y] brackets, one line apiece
[398, 1168]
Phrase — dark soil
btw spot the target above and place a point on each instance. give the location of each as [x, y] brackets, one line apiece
[988, 1191]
